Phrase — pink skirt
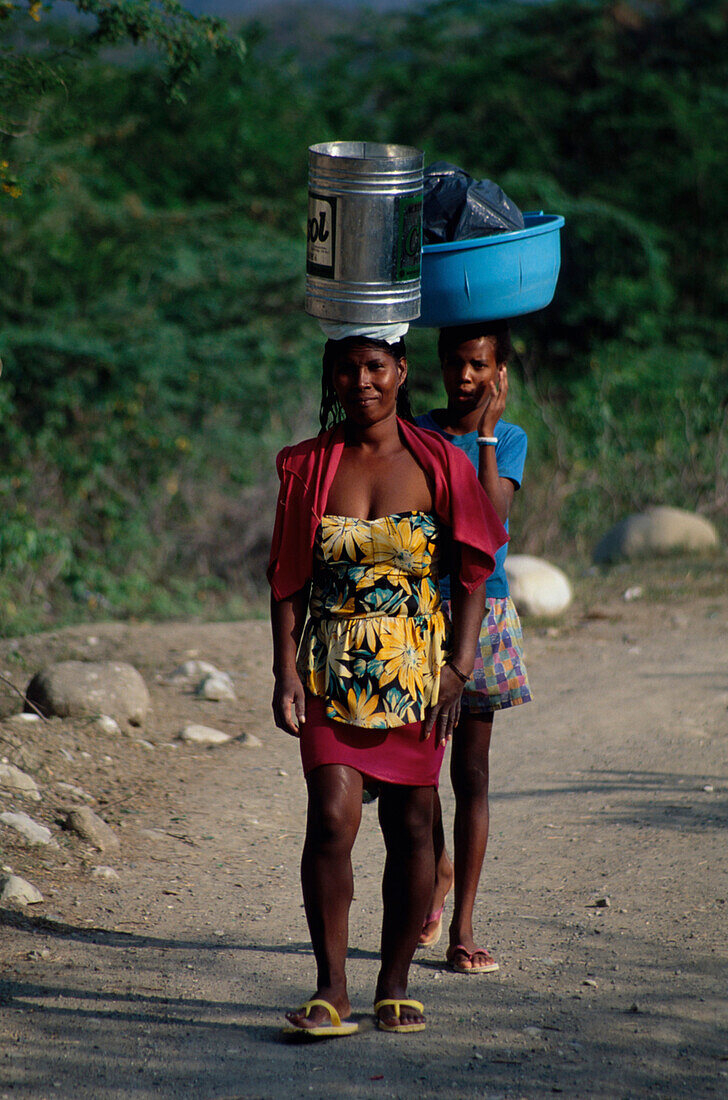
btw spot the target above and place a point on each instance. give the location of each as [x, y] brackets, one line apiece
[400, 755]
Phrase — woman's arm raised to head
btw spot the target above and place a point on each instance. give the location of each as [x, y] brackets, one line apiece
[287, 620]
[499, 489]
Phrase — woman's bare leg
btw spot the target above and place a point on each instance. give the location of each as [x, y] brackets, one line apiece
[334, 814]
[405, 815]
[443, 876]
[469, 771]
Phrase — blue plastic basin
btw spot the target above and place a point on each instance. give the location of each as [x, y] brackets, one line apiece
[504, 275]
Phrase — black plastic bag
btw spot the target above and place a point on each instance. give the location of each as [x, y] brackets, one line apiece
[457, 207]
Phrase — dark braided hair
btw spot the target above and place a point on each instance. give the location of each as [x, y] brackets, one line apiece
[331, 412]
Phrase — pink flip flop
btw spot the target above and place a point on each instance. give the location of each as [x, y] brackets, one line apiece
[490, 964]
[433, 937]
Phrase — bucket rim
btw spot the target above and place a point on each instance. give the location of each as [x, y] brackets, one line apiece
[365, 150]
[536, 224]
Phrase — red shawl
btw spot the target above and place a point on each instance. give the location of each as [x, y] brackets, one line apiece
[307, 470]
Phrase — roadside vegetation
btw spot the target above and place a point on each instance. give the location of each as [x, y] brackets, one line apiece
[152, 224]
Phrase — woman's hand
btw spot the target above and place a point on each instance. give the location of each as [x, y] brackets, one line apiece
[444, 715]
[289, 703]
[287, 618]
[496, 404]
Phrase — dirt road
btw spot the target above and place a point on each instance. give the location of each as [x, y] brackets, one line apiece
[604, 898]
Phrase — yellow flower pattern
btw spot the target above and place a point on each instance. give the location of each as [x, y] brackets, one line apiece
[376, 637]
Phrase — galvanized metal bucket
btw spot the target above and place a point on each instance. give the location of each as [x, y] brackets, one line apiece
[364, 239]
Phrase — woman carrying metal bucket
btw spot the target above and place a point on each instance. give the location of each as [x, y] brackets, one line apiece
[371, 683]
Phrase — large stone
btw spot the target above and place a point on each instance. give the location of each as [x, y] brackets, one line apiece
[78, 689]
[13, 888]
[89, 826]
[12, 779]
[29, 829]
[537, 587]
[658, 530]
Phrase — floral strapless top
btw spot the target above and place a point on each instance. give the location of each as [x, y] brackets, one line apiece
[376, 637]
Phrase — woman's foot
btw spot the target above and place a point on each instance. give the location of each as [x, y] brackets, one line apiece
[400, 1014]
[465, 960]
[432, 928]
[318, 1015]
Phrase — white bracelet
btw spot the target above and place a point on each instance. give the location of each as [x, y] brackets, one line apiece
[487, 440]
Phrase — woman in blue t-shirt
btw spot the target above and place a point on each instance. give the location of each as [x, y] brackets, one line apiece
[475, 374]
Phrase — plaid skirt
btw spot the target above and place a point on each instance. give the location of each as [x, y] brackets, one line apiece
[499, 677]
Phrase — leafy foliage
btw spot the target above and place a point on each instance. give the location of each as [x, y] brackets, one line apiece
[613, 114]
[40, 57]
[155, 350]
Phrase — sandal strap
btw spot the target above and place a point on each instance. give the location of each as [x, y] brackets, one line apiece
[468, 954]
[482, 951]
[398, 1002]
[318, 1001]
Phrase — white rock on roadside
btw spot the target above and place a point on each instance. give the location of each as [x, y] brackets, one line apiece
[107, 724]
[77, 792]
[106, 874]
[204, 735]
[17, 889]
[250, 741]
[191, 672]
[89, 826]
[657, 530]
[79, 689]
[29, 829]
[537, 587]
[635, 592]
[12, 779]
[217, 688]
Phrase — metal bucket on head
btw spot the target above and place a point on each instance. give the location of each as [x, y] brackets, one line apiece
[364, 238]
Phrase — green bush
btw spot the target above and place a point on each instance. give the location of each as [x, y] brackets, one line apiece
[155, 350]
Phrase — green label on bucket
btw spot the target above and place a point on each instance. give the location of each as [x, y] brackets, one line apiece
[408, 240]
[321, 235]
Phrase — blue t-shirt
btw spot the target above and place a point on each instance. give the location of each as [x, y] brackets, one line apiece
[510, 455]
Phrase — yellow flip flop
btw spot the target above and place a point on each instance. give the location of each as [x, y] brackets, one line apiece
[333, 1030]
[398, 1002]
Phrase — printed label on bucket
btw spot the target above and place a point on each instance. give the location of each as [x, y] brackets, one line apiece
[321, 235]
[408, 240]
